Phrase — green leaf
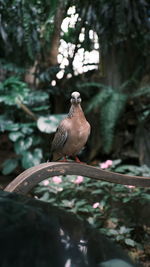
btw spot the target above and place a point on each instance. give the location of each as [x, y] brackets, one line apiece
[100, 98]
[12, 126]
[129, 242]
[37, 155]
[146, 196]
[126, 199]
[142, 91]
[45, 196]
[9, 165]
[116, 163]
[112, 232]
[27, 128]
[125, 230]
[7, 124]
[14, 136]
[68, 203]
[36, 97]
[81, 203]
[128, 169]
[22, 145]
[119, 237]
[13, 89]
[31, 159]
[27, 160]
[84, 209]
[97, 191]
[110, 114]
[49, 124]
[40, 189]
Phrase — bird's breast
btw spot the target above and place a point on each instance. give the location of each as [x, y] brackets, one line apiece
[78, 133]
[79, 130]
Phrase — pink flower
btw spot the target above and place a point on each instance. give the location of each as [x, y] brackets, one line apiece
[106, 164]
[57, 180]
[95, 205]
[109, 163]
[46, 182]
[79, 179]
[130, 186]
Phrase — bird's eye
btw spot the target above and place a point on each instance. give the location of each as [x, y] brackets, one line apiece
[76, 98]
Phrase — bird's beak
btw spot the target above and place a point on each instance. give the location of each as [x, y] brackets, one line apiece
[76, 100]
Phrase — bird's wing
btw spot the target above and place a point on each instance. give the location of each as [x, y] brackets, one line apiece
[60, 138]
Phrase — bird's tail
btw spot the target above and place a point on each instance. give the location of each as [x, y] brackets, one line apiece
[54, 156]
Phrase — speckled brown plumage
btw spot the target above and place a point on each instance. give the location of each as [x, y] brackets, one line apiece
[72, 132]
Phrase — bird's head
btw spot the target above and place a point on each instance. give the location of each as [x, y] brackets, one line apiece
[75, 98]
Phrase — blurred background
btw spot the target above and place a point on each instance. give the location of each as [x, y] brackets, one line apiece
[101, 48]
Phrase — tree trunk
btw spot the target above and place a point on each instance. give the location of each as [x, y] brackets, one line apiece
[111, 63]
[55, 41]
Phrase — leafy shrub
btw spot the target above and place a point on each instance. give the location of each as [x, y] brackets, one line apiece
[110, 103]
[22, 119]
[98, 202]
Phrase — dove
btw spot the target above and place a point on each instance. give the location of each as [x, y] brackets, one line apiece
[72, 132]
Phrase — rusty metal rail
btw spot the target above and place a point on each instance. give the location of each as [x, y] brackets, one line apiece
[24, 182]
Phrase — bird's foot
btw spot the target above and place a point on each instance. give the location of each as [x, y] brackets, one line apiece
[63, 160]
[78, 161]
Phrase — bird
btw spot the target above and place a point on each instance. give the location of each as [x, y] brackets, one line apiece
[72, 133]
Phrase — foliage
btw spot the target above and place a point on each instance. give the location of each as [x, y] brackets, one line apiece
[26, 29]
[25, 33]
[26, 144]
[24, 24]
[21, 124]
[49, 124]
[116, 21]
[100, 202]
[110, 104]
[13, 89]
